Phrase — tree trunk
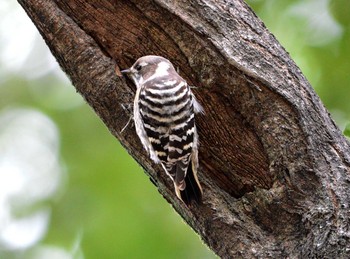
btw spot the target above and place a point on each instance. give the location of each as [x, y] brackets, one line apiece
[273, 165]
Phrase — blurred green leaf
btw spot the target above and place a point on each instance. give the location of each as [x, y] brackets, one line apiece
[347, 130]
[340, 10]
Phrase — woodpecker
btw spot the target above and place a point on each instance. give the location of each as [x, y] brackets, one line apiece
[164, 108]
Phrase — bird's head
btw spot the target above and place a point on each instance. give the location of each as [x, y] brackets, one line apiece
[147, 68]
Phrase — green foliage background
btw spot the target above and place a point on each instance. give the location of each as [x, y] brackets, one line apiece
[106, 207]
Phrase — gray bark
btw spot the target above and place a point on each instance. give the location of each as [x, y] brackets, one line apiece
[273, 164]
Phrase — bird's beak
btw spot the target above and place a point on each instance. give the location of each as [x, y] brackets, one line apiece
[126, 71]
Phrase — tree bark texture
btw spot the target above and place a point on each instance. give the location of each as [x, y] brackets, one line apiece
[273, 165]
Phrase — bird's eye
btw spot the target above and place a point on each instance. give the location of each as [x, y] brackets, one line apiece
[138, 67]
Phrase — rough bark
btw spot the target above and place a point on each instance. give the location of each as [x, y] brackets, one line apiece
[274, 166]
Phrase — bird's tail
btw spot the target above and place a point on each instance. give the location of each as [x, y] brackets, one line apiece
[192, 191]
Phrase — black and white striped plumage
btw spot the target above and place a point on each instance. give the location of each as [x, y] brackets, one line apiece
[164, 108]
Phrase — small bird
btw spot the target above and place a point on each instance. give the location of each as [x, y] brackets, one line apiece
[164, 108]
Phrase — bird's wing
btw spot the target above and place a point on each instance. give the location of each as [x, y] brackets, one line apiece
[145, 132]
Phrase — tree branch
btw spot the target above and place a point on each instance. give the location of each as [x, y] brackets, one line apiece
[273, 165]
